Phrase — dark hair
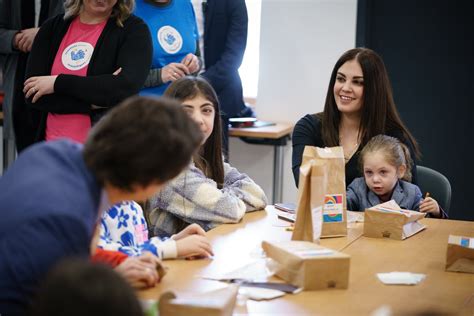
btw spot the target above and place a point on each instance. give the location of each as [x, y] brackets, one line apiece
[394, 151]
[379, 113]
[79, 287]
[141, 141]
[209, 159]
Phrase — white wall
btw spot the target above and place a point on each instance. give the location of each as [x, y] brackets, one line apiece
[300, 42]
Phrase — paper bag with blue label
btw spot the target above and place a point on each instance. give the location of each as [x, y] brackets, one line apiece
[460, 254]
[309, 266]
[388, 220]
[322, 195]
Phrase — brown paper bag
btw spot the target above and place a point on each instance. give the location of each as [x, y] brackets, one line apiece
[308, 265]
[216, 303]
[321, 208]
[460, 254]
[387, 220]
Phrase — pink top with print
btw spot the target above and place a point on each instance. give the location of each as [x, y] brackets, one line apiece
[73, 58]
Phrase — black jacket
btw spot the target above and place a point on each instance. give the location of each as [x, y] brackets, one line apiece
[128, 47]
[225, 39]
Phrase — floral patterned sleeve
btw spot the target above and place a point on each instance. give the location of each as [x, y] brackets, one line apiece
[123, 228]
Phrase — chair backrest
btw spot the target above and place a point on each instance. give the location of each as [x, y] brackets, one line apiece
[436, 184]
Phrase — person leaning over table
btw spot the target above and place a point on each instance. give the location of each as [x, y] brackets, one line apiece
[359, 105]
[85, 62]
[53, 195]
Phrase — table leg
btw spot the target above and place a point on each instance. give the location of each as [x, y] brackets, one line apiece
[277, 174]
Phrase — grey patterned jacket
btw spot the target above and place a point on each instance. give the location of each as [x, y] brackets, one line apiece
[193, 198]
[359, 197]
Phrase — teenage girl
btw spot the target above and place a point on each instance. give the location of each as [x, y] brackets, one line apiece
[209, 192]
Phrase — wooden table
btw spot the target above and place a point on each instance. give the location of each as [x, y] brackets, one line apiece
[236, 245]
[276, 135]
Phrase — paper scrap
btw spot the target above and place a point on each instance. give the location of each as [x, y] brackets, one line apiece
[355, 217]
[259, 294]
[402, 278]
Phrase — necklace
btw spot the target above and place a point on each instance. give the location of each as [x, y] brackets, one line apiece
[352, 152]
[348, 155]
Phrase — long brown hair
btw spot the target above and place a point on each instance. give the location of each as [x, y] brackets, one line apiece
[209, 158]
[379, 112]
[394, 152]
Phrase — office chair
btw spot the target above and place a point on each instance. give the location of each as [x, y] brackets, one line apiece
[436, 184]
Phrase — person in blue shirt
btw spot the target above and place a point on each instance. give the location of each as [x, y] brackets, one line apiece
[52, 197]
[173, 29]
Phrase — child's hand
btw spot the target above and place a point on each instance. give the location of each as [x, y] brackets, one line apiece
[194, 246]
[140, 272]
[429, 205]
[193, 229]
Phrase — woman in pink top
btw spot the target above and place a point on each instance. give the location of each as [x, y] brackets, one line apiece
[84, 62]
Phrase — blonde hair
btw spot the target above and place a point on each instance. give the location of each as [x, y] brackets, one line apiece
[395, 153]
[121, 10]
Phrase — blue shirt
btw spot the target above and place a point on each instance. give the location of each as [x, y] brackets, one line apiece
[173, 31]
[49, 204]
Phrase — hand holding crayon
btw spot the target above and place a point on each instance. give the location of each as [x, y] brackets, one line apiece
[429, 205]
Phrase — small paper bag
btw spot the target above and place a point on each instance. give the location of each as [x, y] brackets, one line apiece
[460, 254]
[309, 266]
[387, 220]
[321, 208]
[216, 303]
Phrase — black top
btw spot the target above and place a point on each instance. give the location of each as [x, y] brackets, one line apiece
[308, 132]
[128, 47]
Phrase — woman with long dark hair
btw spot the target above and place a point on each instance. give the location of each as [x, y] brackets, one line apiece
[209, 192]
[359, 105]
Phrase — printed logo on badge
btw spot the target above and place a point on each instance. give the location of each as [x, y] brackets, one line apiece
[77, 55]
[169, 39]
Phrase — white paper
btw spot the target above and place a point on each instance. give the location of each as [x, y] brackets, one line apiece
[253, 272]
[412, 228]
[317, 216]
[403, 278]
[258, 294]
[355, 217]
